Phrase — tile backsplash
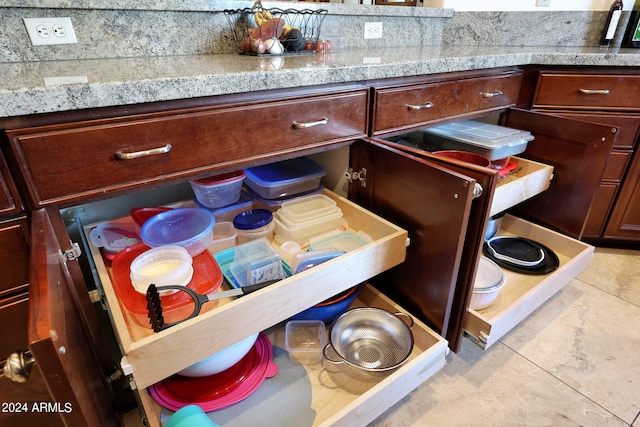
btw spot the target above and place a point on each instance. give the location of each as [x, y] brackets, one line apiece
[196, 27]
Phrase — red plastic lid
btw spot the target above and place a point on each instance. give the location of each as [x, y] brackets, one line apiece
[220, 390]
[224, 178]
[207, 278]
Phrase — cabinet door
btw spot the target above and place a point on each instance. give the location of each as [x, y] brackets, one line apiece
[433, 203]
[578, 152]
[60, 339]
[625, 216]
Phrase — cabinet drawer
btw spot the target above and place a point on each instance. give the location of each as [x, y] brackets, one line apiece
[522, 294]
[339, 400]
[533, 178]
[406, 107]
[588, 91]
[14, 255]
[61, 164]
[151, 357]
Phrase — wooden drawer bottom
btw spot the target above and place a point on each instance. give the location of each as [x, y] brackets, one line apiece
[522, 294]
[339, 400]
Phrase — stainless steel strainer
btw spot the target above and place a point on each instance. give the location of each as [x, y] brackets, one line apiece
[370, 339]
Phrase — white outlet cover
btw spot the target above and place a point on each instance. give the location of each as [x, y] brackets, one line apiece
[48, 31]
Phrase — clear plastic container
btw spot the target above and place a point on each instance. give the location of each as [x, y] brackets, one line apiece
[191, 228]
[308, 208]
[304, 340]
[275, 204]
[492, 141]
[220, 190]
[227, 213]
[345, 241]
[162, 266]
[224, 237]
[255, 262]
[254, 224]
[293, 176]
[301, 233]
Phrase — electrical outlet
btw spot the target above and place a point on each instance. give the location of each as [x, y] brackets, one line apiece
[373, 30]
[543, 3]
[45, 31]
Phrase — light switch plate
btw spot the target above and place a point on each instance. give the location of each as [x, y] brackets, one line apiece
[47, 31]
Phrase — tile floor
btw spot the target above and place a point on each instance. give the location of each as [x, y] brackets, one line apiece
[573, 362]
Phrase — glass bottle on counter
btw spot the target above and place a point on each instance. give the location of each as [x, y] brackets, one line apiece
[610, 27]
[632, 33]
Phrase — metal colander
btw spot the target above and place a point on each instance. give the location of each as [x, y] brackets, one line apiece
[371, 339]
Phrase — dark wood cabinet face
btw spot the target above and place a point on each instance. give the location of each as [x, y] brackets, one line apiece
[14, 255]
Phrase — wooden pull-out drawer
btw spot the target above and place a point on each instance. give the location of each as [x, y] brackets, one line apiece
[151, 357]
[588, 91]
[522, 293]
[340, 400]
[532, 178]
[406, 107]
[65, 163]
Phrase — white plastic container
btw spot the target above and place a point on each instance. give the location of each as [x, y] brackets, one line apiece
[162, 266]
[301, 233]
[307, 208]
[224, 237]
[220, 190]
[489, 280]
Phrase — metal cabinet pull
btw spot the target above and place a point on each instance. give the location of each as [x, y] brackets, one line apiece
[492, 94]
[595, 91]
[301, 125]
[419, 107]
[128, 156]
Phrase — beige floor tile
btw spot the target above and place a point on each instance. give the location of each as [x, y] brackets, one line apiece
[588, 339]
[494, 388]
[616, 271]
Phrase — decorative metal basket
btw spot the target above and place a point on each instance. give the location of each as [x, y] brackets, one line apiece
[273, 31]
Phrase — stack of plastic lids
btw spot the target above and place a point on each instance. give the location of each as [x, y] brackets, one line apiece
[285, 179]
[300, 219]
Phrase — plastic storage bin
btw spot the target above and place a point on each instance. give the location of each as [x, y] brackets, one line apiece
[301, 233]
[304, 340]
[273, 205]
[254, 224]
[285, 178]
[255, 262]
[220, 190]
[492, 141]
[308, 208]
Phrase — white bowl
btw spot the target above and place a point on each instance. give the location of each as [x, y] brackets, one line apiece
[222, 360]
[489, 280]
[162, 266]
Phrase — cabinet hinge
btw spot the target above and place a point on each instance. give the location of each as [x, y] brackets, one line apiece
[73, 253]
[94, 296]
[361, 176]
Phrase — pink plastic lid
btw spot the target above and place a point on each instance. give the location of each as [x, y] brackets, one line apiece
[224, 178]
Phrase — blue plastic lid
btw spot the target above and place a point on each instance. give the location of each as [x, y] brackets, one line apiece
[182, 226]
[252, 219]
[285, 172]
[275, 203]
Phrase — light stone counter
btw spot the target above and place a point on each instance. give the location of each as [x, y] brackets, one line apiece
[49, 86]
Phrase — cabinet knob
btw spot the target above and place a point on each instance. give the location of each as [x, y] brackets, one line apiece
[18, 366]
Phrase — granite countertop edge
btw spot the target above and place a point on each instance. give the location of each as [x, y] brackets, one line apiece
[44, 87]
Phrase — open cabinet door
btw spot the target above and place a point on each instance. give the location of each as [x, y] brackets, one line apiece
[60, 339]
[578, 152]
[433, 203]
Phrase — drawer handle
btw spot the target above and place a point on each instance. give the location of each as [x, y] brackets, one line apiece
[419, 107]
[128, 156]
[301, 125]
[492, 94]
[595, 91]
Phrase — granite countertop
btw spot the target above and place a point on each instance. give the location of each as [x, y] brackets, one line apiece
[49, 86]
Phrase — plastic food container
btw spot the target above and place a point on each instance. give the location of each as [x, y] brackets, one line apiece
[304, 340]
[308, 207]
[301, 233]
[489, 280]
[224, 237]
[219, 190]
[227, 213]
[113, 237]
[222, 360]
[191, 228]
[492, 141]
[285, 178]
[254, 224]
[344, 241]
[275, 204]
[162, 266]
[255, 262]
